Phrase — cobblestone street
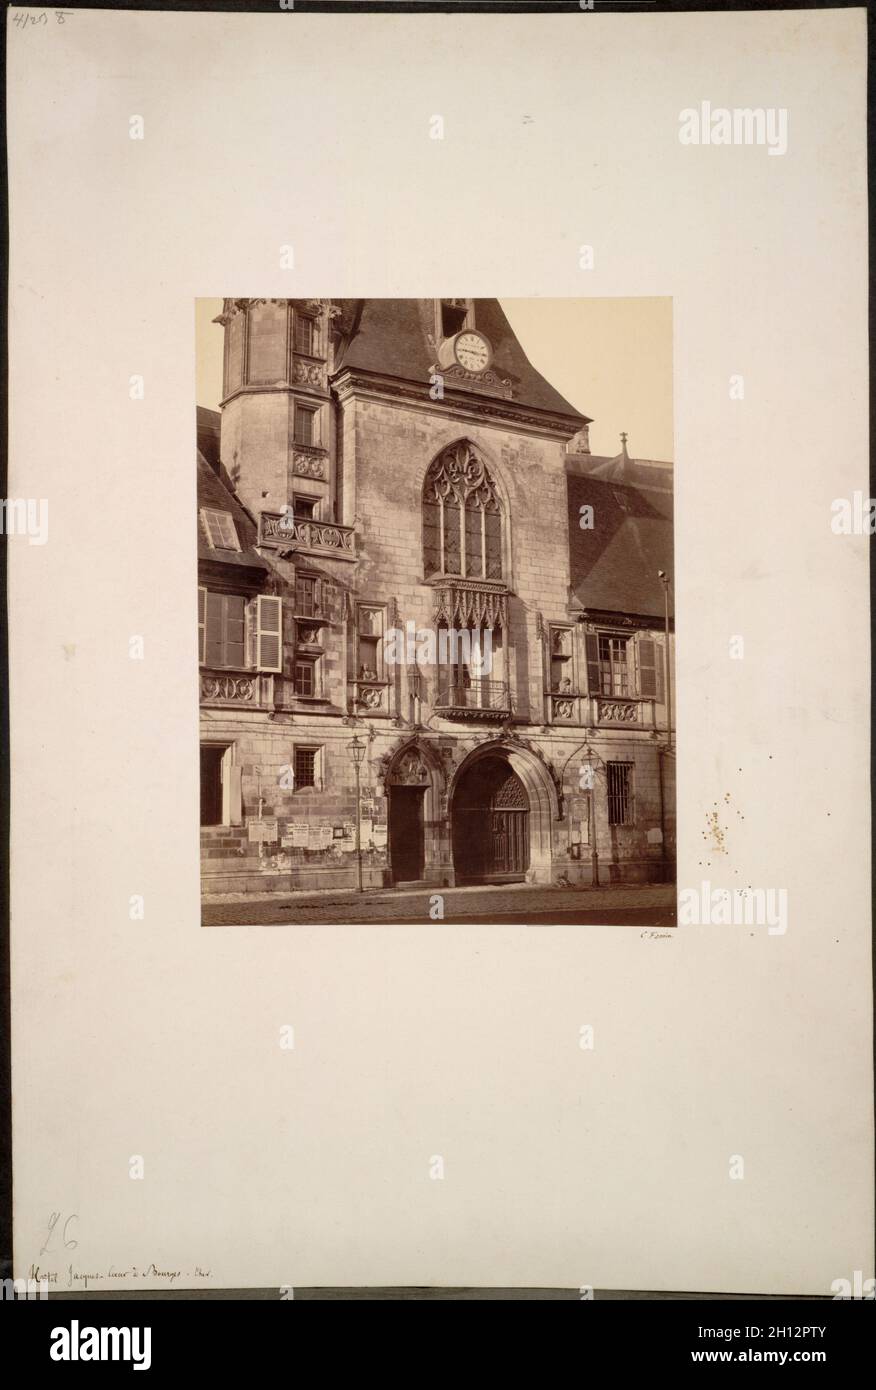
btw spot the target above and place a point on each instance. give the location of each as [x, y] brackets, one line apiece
[651, 905]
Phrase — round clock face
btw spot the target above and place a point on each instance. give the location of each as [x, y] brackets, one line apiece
[472, 351]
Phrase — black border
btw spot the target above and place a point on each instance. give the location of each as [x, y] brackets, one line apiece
[340, 8]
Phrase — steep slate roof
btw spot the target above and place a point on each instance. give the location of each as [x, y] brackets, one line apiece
[207, 425]
[389, 337]
[213, 493]
[614, 566]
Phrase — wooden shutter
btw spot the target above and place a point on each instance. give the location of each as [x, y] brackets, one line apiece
[269, 633]
[591, 643]
[650, 673]
[202, 624]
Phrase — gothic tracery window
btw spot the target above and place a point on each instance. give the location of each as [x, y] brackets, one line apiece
[462, 517]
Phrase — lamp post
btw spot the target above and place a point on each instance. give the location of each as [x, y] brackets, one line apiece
[591, 818]
[357, 753]
[662, 752]
[664, 580]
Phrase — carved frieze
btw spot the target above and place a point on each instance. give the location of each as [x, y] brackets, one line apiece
[618, 711]
[309, 466]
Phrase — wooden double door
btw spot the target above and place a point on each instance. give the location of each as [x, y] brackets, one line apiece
[490, 820]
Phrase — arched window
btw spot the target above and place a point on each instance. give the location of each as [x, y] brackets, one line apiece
[462, 517]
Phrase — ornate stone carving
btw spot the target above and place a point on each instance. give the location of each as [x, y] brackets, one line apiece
[309, 374]
[465, 603]
[461, 473]
[511, 795]
[409, 770]
[508, 739]
[618, 711]
[564, 709]
[371, 696]
[309, 466]
[488, 381]
[235, 689]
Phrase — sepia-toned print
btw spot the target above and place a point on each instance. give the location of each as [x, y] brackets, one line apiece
[435, 630]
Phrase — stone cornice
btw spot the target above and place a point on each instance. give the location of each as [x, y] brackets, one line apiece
[348, 384]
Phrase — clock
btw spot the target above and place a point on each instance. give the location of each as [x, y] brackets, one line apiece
[472, 350]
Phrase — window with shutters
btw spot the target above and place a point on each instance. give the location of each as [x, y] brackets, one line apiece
[462, 517]
[222, 629]
[650, 669]
[619, 777]
[219, 529]
[622, 665]
[269, 633]
[614, 670]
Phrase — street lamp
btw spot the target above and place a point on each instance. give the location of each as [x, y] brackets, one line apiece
[356, 750]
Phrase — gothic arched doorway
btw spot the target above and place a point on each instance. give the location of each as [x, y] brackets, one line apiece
[490, 818]
[407, 784]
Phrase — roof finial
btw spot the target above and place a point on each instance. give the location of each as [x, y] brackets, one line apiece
[624, 440]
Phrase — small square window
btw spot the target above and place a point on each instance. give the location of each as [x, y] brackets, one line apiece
[220, 529]
[305, 508]
[305, 424]
[305, 767]
[453, 318]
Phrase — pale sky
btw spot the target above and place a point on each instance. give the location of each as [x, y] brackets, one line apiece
[611, 358]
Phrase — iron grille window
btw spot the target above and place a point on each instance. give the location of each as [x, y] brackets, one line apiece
[620, 793]
[305, 767]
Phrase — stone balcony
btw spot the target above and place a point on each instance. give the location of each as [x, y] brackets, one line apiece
[321, 538]
[481, 699]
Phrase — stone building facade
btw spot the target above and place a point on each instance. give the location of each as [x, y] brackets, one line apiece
[407, 551]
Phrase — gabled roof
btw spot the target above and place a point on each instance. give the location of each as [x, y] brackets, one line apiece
[614, 566]
[390, 337]
[213, 493]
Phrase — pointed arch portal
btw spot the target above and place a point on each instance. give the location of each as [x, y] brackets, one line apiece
[490, 820]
